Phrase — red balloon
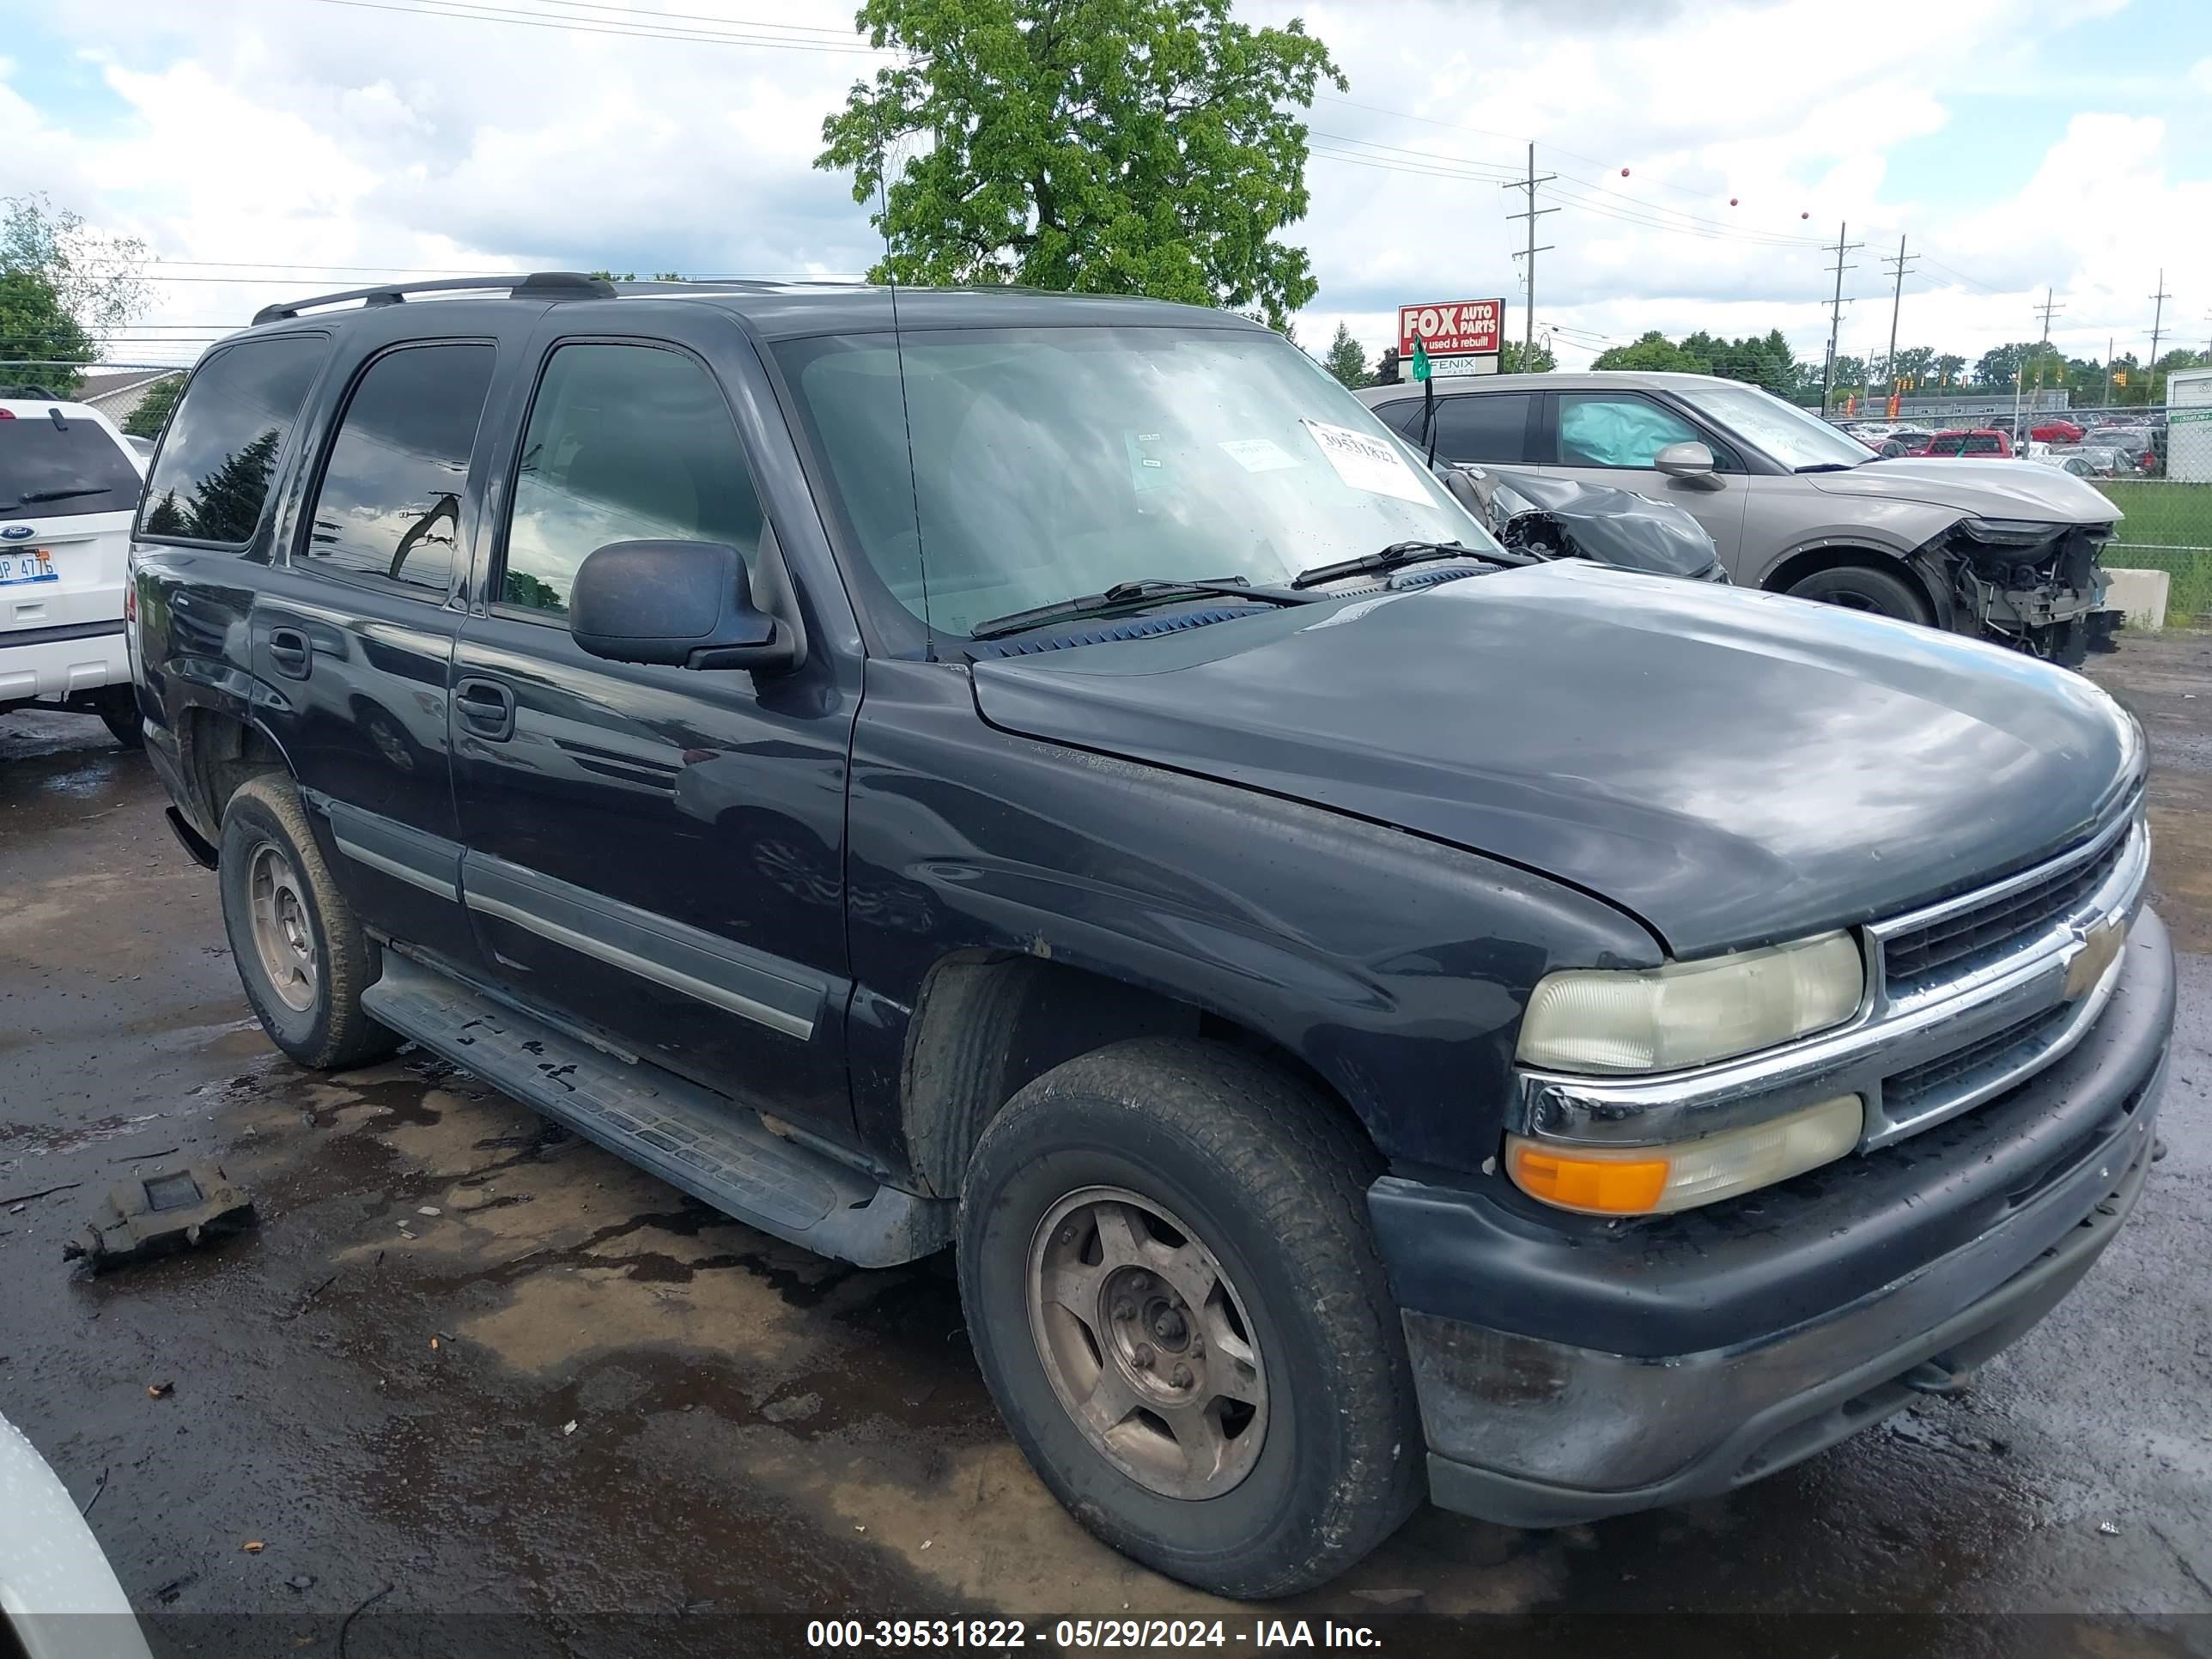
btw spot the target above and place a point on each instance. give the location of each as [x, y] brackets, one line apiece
[1731, 201]
[1804, 215]
[1624, 172]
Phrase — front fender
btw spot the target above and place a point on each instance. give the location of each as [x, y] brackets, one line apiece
[1396, 968]
[1899, 528]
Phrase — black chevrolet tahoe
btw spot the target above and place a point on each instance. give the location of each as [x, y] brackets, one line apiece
[1378, 1018]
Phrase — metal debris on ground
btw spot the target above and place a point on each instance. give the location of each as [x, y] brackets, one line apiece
[2108, 1529]
[158, 1214]
[569, 1427]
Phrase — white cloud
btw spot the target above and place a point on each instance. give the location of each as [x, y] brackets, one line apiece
[331, 135]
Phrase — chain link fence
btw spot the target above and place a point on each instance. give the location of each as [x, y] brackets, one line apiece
[2169, 527]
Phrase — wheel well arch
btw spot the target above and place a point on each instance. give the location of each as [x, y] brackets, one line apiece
[989, 1022]
[1811, 561]
[218, 751]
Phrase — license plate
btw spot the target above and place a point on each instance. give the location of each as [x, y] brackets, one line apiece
[32, 564]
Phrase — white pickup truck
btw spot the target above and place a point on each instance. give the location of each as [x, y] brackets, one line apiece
[69, 489]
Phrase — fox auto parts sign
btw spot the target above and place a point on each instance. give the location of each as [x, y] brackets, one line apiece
[1452, 328]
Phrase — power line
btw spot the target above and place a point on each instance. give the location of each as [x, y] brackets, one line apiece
[507, 17]
[1528, 312]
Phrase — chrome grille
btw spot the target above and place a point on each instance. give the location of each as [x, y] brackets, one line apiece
[1905, 1094]
[1959, 940]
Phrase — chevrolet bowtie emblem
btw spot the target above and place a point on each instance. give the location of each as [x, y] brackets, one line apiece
[2100, 944]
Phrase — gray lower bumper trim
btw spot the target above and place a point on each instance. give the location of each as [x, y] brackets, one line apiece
[1802, 1423]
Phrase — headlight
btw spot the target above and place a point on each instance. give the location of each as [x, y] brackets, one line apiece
[1656, 1180]
[1656, 1019]
[2010, 532]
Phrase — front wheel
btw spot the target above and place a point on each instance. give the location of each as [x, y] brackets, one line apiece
[1863, 587]
[1177, 1304]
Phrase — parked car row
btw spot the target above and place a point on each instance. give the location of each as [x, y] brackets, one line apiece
[1379, 1014]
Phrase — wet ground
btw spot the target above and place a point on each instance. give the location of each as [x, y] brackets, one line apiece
[539, 1394]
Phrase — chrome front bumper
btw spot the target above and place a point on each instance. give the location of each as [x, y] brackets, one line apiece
[1918, 1052]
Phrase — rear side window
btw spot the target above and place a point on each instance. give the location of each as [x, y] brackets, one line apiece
[211, 479]
[53, 467]
[1981, 446]
[625, 443]
[1484, 426]
[1402, 417]
[389, 505]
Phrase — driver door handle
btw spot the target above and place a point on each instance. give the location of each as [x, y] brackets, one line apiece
[486, 708]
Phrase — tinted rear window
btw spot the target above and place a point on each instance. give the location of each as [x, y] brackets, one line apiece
[212, 476]
[51, 472]
[1484, 426]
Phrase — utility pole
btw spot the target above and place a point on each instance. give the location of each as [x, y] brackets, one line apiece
[2049, 305]
[2106, 401]
[1896, 304]
[1528, 315]
[2157, 317]
[1836, 313]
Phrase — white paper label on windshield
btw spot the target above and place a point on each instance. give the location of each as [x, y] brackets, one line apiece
[1373, 464]
[1258, 455]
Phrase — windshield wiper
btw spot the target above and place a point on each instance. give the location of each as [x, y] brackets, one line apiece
[1834, 466]
[1400, 553]
[30, 496]
[1131, 593]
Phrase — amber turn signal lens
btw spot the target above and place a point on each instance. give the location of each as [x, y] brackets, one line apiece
[1600, 1185]
[1659, 1179]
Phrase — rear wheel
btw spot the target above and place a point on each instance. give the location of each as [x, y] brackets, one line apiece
[1864, 587]
[1177, 1306]
[301, 955]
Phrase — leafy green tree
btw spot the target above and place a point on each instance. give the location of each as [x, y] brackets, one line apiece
[62, 286]
[1386, 368]
[1654, 353]
[1096, 146]
[1538, 360]
[1915, 365]
[1949, 368]
[1998, 366]
[40, 334]
[1345, 360]
[145, 420]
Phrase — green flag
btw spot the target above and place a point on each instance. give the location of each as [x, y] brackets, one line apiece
[1420, 361]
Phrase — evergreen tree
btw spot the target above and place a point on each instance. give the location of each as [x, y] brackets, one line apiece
[1345, 360]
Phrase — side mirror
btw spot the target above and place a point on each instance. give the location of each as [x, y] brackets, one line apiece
[682, 604]
[1690, 461]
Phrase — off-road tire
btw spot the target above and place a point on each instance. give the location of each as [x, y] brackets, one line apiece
[118, 712]
[333, 1031]
[1270, 1178]
[1864, 587]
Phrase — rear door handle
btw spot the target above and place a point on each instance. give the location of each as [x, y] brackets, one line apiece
[290, 650]
[486, 708]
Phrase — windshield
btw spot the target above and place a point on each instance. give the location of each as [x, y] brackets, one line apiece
[49, 472]
[1782, 431]
[1050, 463]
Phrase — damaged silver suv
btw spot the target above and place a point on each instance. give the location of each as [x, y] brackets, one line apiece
[1996, 549]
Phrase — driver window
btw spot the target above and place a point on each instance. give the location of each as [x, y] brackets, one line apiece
[625, 443]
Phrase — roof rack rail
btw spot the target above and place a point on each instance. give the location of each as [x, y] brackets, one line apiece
[537, 284]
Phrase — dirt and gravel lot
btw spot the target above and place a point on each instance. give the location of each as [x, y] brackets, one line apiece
[379, 1384]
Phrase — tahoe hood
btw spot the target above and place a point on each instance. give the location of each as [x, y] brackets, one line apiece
[1733, 768]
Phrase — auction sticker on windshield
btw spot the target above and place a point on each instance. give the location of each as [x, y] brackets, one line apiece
[1369, 464]
[1258, 455]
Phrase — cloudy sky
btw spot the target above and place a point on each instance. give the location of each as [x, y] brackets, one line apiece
[267, 147]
